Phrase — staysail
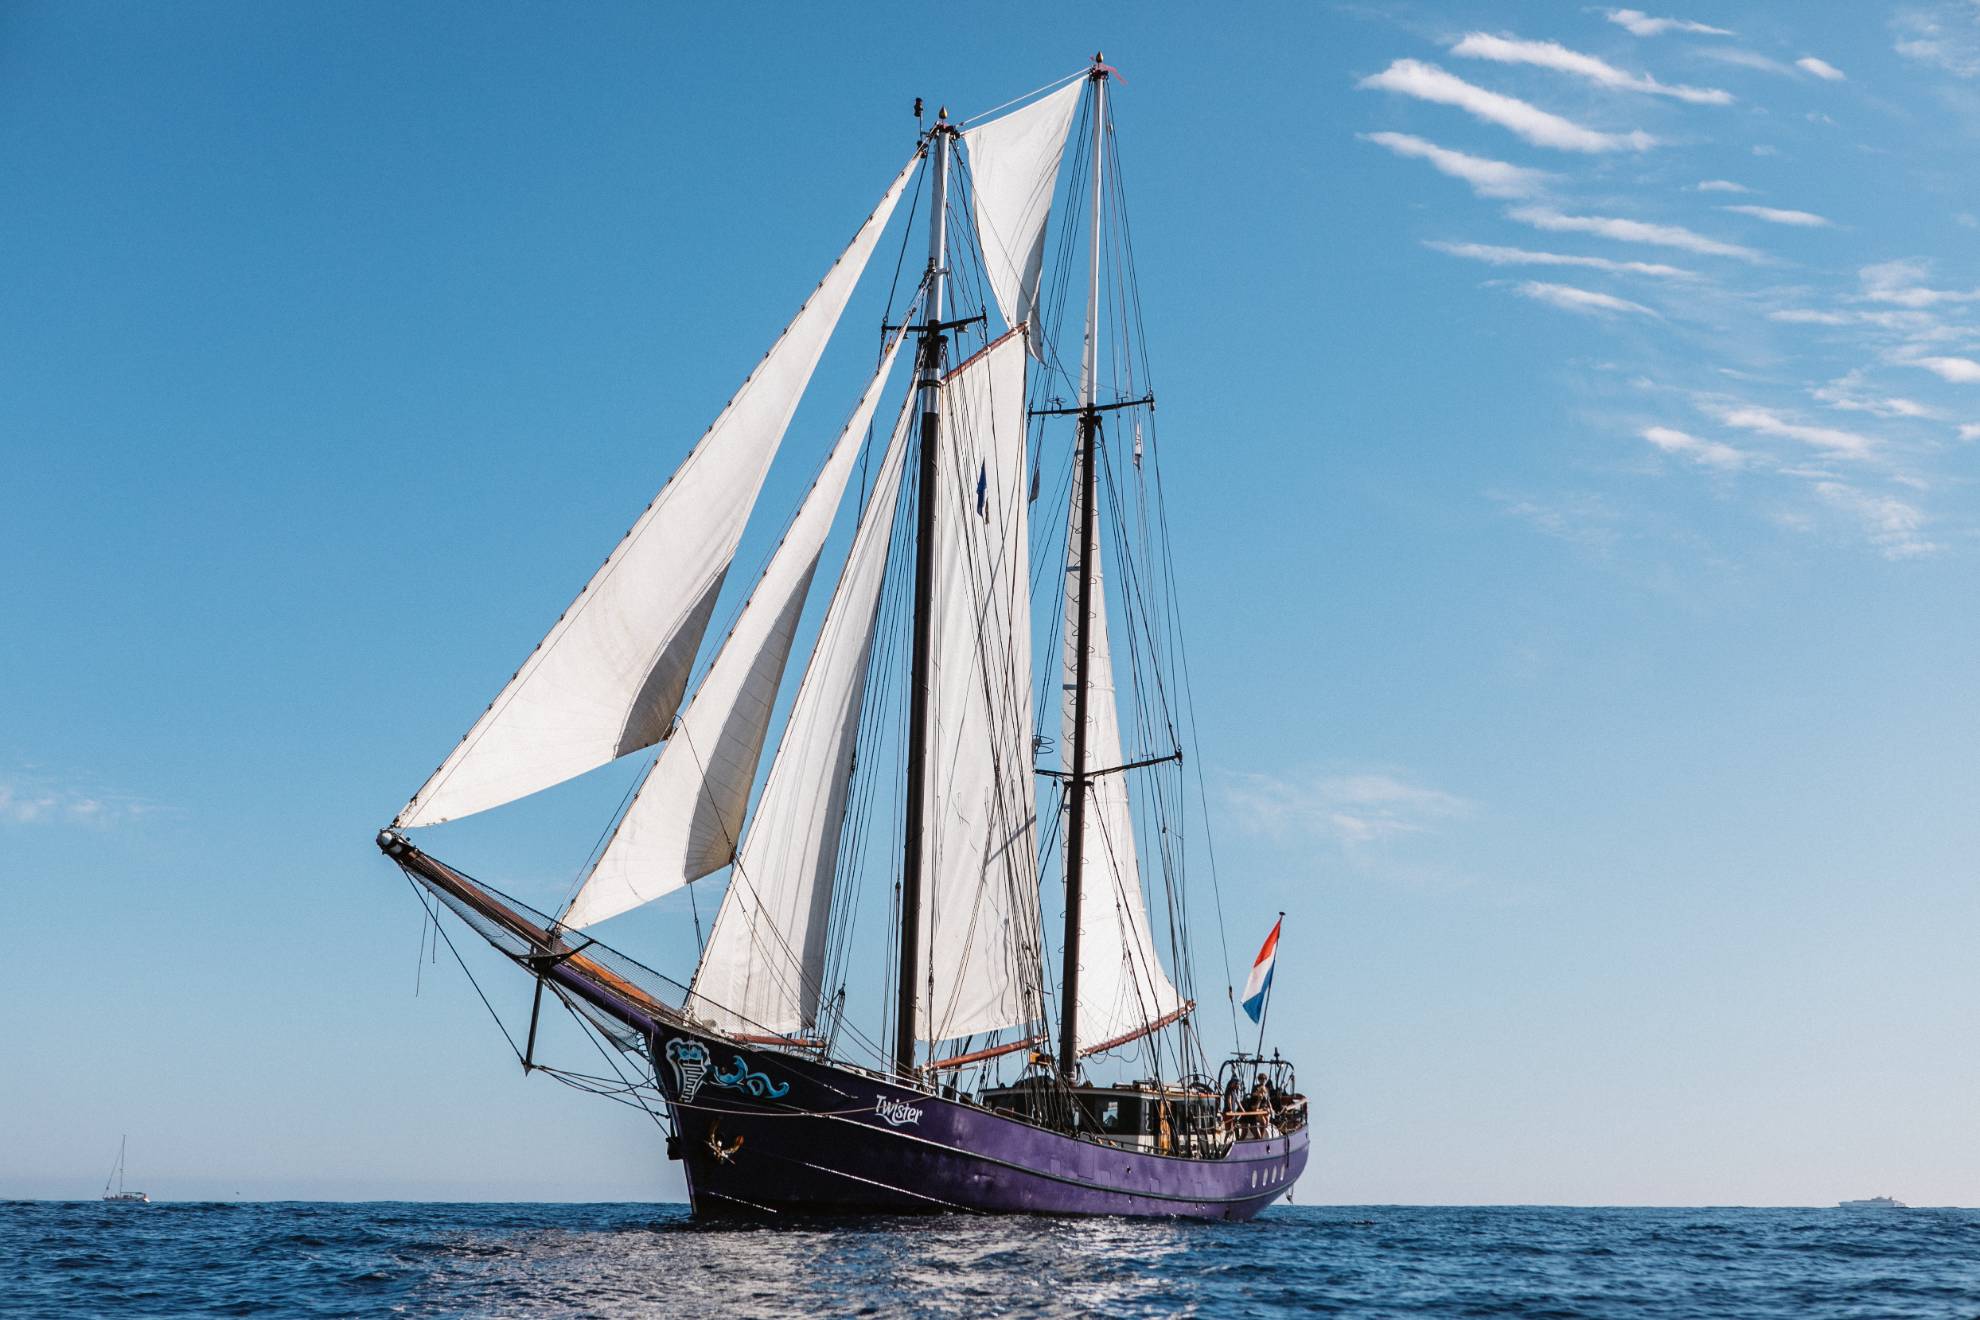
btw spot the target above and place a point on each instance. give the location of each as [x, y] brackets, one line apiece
[688, 814]
[978, 916]
[608, 677]
[764, 965]
[1122, 988]
[1014, 167]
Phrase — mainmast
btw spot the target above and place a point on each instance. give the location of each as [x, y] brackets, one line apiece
[920, 677]
[1089, 434]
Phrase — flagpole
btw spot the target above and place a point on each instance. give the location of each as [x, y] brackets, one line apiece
[1265, 1009]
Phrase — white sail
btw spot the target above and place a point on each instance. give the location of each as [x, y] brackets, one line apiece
[1014, 167]
[980, 869]
[688, 814]
[608, 677]
[765, 960]
[1122, 987]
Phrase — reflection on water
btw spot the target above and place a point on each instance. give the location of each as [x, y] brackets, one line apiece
[84, 1258]
[949, 1265]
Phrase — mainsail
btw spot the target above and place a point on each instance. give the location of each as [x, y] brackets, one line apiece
[1014, 166]
[688, 814]
[608, 677]
[1122, 988]
[978, 918]
[765, 961]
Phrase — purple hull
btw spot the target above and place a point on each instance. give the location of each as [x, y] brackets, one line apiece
[762, 1132]
[770, 1132]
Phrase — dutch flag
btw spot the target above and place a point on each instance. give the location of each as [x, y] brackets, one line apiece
[1260, 979]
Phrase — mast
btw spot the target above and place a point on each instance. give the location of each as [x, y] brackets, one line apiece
[929, 386]
[1089, 429]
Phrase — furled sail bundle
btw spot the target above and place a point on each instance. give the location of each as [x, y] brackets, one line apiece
[1014, 167]
[765, 962]
[980, 862]
[688, 814]
[609, 676]
[1122, 988]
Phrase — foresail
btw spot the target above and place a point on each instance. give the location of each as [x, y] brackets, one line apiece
[765, 961]
[1122, 987]
[608, 677]
[979, 907]
[1014, 167]
[688, 814]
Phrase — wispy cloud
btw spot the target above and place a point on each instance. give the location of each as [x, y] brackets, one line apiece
[1553, 55]
[1632, 231]
[1820, 68]
[26, 801]
[1581, 519]
[1893, 526]
[1488, 178]
[1903, 321]
[1902, 283]
[1846, 395]
[1712, 453]
[1944, 36]
[1958, 370]
[1569, 298]
[1510, 256]
[1722, 185]
[1764, 421]
[1641, 24]
[1774, 215]
[1347, 809]
[1748, 59]
[1427, 82]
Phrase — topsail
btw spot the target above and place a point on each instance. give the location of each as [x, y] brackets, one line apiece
[608, 677]
[1014, 166]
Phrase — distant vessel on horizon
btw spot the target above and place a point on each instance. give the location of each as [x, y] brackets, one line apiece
[1873, 1203]
[117, 1177]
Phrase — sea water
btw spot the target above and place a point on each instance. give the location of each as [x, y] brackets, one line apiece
[315, 1258]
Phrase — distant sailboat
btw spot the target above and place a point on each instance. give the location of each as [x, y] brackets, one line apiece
[967, 1087]
[117, 1177]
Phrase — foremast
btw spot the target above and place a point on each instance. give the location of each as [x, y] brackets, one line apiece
[933, 341]
[1087, 441]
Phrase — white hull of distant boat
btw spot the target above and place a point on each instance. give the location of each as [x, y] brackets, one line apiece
[117, 1178]
[1873, 1203]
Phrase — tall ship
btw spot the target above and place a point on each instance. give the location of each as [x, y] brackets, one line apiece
[952, 965]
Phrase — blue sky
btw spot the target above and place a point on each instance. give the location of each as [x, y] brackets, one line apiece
[1578, 413]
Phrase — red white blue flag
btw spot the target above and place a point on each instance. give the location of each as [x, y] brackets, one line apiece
[1260, 979]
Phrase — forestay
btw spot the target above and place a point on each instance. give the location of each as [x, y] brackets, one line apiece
[608, 677]
[978, 915]
[688, 814]
[1014, 167]
[765, 962]
[1122, 988]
